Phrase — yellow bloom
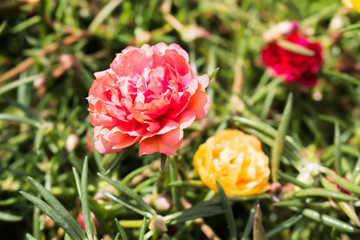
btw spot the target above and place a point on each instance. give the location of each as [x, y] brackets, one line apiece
[352, 4]
[236, 161]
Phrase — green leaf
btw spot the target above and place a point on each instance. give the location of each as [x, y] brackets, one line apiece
[132, 174]
[350, 212]
[291, 179]
[3, 26]
[213, 74]
[327, 184]
[342, 76]
[54, 216]
[121, 230]
[341, 182]
[122, 155]
[228, 212]
[67, 237]
[77, 181]
[295, 48]
[103, 14]
[142, 229]
[22, 26]
[97, 155]
[10, 117]
[271, 142]
[263, 128]
[205, 209]
[174, 189]
[23, 108]
[261, 92]
[59, 208]
[39, 136]
[193, 213]
[328, 220]
[8, 217]
[337, 149]
[284, 225]
[250, 222]
[14, 84]
[85, 202]
[258, 229]
[124, 189]
[125, 203]
[267, 104]
[280, 138]
[320, 192]
[290, 203]
[30, 237]
[352, 27]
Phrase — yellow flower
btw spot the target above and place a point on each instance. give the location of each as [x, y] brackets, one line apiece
[236, 161]
[355, 4]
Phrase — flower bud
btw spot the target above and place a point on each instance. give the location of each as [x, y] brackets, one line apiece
[148, 198]
[163, 203]
[39, 82]
[287, 28]
[280, 30]
[157, 225]
[80, 220]
[71, 142]
[275, 187]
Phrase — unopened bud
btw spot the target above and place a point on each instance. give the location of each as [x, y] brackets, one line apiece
[71, 142]
[157, 225]
[281, 30]
[286, 28]
[337, 24]
[275, 187]
[39, 82]
[163, 203]
[148, 198]
[80, 220]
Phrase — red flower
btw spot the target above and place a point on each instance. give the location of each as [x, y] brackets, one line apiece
[293, 66]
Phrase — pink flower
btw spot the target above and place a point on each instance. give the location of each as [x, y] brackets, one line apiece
[293, 66]
[148, 95]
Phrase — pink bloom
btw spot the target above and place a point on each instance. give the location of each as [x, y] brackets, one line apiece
[148, 95]
[293, 66]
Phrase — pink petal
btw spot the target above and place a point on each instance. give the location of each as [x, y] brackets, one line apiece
[173, 137]
[186, 119]
[200, 102]
[110, 141]
[154, 144]
[203, 81]
[162, 47]
[167, 125]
